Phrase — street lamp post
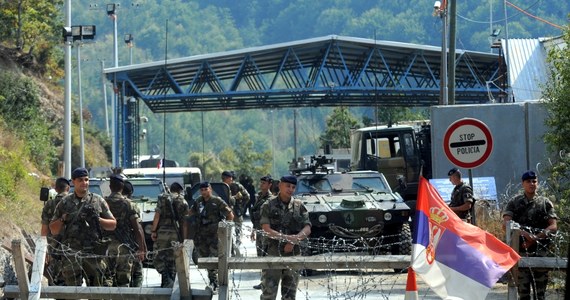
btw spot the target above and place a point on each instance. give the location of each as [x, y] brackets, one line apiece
[112, 14]
[71, 34]
[81, 135]
[67, 94]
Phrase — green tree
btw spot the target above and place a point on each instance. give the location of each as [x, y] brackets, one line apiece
[392, 115]
[33, 27]
[337, 132]
[557, 98]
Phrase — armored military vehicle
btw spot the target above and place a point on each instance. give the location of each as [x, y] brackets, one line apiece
[352, 211]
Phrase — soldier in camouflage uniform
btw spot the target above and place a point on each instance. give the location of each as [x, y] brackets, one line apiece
[239, 200]
[461, 196]
[169, 218]
[255, 213]
[80, 218]
[537, 218]
[286, 222]
[54, 257]
[127, 240]
[137, 270]
[210, 211]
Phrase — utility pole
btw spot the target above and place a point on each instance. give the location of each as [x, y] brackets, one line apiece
[451, 59]
[440, 10]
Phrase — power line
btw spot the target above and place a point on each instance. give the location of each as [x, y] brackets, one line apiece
[535, 17]
[496, 21]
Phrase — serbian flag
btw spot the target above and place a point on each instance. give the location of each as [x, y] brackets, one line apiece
[456, 259]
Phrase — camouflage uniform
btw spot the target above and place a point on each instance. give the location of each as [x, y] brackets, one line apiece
[534, 213]
[209, 214]
[287, 219]
[166, 235]
[54, 249]
[240, 198]
[81, 239]
[462, 193]
[137, 270]
[255, 211]
[123, 245]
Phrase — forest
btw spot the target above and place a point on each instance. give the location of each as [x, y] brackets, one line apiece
[262, 138]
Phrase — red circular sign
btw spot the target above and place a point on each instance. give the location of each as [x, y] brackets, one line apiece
[468, 143]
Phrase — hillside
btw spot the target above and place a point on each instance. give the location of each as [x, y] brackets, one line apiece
[21, 172]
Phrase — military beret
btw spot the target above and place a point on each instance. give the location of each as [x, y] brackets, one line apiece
[452, 171]
[528, 175]
[289, 179]
[175, 186]
[266, 179]
[228, 174]
[128, 188]
[204, 184]
[79, 172]
[117, 177]
[62, 180]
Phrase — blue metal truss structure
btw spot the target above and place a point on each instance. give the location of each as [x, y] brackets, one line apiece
[326, 71]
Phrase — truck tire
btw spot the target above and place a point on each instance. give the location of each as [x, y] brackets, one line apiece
[404, 240]
[403, 243]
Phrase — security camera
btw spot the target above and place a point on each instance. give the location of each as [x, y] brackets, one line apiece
[437, 5]
[143, 119]
[144, 131]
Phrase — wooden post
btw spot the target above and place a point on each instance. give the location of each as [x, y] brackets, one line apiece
[225, 230]
[181, 289]
[513, 235]
[21, 273]
[38, 268]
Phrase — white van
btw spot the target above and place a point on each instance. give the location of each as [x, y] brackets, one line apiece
[186, 176]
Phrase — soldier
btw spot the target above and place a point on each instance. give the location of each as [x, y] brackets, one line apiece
[210, 211]
[127, 240]
[537, 218]
[137, 270]
[54, 257]
[461, 196]
[286, 222]
[170, 214]
[79, 218]
[247, 183]
[239, 199]
[255, 214]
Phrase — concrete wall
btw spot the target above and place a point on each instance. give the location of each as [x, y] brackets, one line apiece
[517, 130]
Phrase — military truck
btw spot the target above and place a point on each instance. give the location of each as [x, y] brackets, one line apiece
[400, 152]
[353, 211]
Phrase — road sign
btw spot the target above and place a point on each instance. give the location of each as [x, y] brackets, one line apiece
[468, 143]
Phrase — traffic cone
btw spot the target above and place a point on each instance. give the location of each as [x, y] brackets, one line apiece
[411, 286]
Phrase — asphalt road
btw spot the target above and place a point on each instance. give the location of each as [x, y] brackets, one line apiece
[322, 284]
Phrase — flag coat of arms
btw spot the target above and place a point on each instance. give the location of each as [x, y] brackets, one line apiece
[456, 259]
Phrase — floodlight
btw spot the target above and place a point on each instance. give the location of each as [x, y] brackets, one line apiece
[111, 9]
[128, 38]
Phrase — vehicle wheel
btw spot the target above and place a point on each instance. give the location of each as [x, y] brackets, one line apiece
[403, 242]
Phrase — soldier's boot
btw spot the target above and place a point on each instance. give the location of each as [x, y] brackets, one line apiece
[136, 281]
[167, 281]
